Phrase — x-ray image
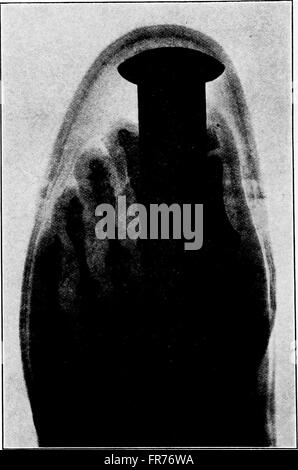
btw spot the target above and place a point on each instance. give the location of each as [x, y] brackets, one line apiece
[148, 226]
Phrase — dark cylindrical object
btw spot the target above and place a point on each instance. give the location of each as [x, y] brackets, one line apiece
[172, 118]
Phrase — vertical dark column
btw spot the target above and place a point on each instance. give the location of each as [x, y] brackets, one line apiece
[172, 120]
